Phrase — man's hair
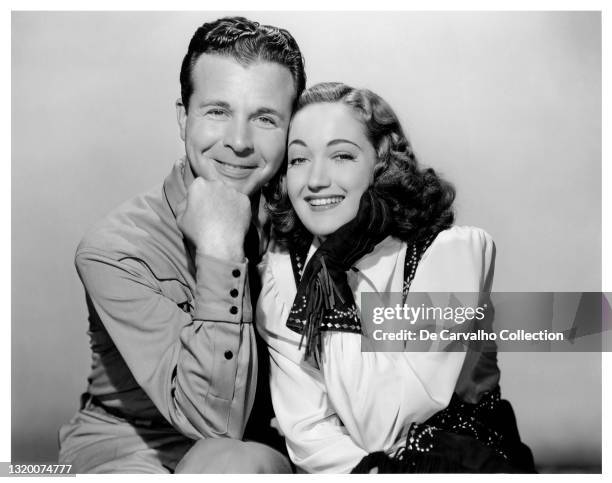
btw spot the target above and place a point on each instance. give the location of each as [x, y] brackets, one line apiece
[246, 42]
[420, 201]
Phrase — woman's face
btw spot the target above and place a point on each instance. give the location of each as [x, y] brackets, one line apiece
[331, 163]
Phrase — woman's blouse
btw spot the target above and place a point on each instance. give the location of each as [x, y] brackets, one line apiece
[361, 402]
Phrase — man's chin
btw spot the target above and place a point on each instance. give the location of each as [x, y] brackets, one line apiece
[245, 186]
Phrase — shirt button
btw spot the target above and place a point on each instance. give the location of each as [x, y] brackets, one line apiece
[228, 355]
[233, 310]
[234, 292]
[236, 273]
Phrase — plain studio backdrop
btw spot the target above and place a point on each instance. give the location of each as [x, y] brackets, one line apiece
[507, 106]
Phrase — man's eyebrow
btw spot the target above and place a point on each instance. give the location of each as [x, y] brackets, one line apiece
[214, 102]
[269, 110]
[341, 141]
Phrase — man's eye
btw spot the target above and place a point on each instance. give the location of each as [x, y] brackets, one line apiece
[215, 112]
[266, 121]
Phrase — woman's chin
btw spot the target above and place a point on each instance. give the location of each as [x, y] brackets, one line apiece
[322, 229]
[325, 223]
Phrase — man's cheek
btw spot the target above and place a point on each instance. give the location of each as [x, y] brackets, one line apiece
[276, 144]
[277, 157]
[205, 134]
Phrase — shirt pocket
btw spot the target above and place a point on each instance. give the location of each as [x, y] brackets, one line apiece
[178, 293]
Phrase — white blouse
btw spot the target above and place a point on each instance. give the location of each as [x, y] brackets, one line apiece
[361, 402]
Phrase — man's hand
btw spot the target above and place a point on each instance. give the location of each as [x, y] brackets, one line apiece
[216, 218]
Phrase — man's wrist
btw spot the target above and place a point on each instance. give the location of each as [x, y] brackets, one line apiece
[228, 252]
[220, 290]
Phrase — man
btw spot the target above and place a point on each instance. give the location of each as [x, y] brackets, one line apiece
[174, 365]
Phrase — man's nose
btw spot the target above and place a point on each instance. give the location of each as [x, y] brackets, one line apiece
[238, 136]
[319, 176]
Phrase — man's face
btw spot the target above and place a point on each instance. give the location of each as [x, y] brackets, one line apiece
[237, 120]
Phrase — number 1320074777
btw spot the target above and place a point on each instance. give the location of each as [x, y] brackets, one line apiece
[39, 469]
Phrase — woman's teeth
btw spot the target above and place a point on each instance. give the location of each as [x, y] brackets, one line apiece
[333, 200]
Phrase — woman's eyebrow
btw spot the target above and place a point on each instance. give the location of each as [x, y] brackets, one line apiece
[299, 142]
[341, 141]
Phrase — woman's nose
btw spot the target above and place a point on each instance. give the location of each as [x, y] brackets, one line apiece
[319, 175]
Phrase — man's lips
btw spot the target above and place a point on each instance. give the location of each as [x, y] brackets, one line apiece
[321, 203]
[234, 170]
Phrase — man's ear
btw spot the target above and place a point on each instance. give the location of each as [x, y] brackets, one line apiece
[181, 117]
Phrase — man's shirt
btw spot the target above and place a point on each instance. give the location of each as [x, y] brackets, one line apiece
[169, 334]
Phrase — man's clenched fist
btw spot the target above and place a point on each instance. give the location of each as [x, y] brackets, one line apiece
[215, 219]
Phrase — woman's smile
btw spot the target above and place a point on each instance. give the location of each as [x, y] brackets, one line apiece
[323, 203]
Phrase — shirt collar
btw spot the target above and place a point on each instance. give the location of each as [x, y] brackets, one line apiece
[379, 266]
[174, 185]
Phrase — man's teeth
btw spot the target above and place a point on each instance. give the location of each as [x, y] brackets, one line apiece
[325, 201]
[234, 166]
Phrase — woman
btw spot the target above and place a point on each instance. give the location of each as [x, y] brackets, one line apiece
[353, 213]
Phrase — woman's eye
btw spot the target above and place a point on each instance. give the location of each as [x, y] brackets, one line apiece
[295, 161]
[343, 157]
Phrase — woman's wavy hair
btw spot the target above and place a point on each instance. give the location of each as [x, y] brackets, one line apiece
[420, 201]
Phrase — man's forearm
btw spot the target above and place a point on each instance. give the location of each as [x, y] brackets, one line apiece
[195, 368]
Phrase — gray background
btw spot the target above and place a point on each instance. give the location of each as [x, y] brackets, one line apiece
[505, 105]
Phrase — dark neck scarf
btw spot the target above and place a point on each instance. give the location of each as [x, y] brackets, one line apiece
[324, 300]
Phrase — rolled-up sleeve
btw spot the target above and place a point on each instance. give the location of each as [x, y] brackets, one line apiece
[196, 369]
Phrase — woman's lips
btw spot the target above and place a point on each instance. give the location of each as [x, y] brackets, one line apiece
[321, 203]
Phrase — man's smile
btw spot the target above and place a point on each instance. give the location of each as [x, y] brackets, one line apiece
[231, 170]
